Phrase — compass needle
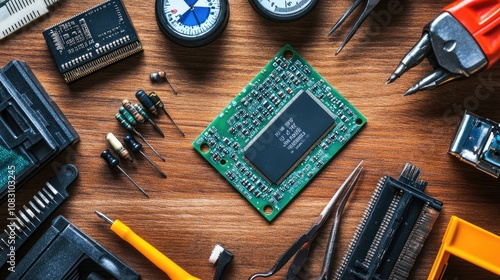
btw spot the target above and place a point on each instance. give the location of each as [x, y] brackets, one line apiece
[192, 23]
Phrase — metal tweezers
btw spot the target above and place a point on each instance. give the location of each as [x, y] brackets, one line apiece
[301, 247]
[370, 4]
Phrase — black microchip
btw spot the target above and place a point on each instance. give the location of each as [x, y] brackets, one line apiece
[92, 40]
[289, 136]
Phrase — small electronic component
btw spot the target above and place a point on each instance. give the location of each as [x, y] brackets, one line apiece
[146, 102]
[289, 136]
[136, 147]
[92, 40]
[279, 132]
[393, 230]
[113, 163]
[158, 103]
[477, 142]
[160, 77]
[23, 223]
[470, 243]
[122, 118]
[65, 252]
[147, 118]
[15, 14]
[33, 130]
[118, 147]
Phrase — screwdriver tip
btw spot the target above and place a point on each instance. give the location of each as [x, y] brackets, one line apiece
[104, 217]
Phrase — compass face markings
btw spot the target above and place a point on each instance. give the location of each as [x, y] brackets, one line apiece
[283, 7]
[192, 18]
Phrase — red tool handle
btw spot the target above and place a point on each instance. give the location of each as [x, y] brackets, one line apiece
[482, 19]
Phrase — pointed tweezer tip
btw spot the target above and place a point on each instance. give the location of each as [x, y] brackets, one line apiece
[339, 49]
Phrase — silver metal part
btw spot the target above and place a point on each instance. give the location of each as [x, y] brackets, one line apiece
[451, 50]
[477, 142]
[455, 48]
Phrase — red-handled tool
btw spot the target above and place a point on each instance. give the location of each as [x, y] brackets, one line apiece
[461, 41]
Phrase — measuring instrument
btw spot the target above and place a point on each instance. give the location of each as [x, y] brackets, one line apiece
[192, 23]
[283, 10]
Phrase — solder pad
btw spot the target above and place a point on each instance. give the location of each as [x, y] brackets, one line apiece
[279, 132]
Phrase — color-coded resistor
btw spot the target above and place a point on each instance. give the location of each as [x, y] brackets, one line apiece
[114, 163]
[121, 119]
[130, 108]
[146, 117]
[136, 147]
[118, 147]
[146, 102]
[127, 116]
[160, 77]
[159, 104]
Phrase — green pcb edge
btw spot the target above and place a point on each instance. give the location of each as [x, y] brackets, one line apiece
[223, 142]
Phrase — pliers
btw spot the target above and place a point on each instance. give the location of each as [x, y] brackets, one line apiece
[461, 41]
[301, 247]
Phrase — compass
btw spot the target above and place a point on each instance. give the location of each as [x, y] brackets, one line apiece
[192, 23]
[283, 10]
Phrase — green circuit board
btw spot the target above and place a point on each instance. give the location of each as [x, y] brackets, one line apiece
[279, 132]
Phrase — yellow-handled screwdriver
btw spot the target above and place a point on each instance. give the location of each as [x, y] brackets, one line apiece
[173, 271]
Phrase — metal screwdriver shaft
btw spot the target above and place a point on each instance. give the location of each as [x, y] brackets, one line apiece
[113, 163]
[136, 147]
[158, 103]
[146, 117]
[119, 117]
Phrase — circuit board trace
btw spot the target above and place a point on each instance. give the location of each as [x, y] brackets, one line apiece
[279, 132]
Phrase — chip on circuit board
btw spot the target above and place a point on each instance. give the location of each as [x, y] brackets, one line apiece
[279, 132]
[92, 40]
[289, 136]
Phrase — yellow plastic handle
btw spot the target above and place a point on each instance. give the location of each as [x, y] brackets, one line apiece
[174, 271]
[470, 243]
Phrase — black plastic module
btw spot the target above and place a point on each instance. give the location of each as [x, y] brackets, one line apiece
[65, 252]
[396, 223]
[23, 223]
[33, 130]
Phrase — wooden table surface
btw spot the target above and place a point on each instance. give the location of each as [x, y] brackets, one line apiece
[195, 208]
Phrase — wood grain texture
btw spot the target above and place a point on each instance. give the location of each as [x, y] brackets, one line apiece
[195, 208]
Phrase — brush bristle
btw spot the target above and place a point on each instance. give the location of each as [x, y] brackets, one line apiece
[218, 249]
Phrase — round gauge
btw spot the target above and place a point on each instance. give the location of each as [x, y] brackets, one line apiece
[283, 10]
[192, 23]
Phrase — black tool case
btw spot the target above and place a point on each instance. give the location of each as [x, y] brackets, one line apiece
[33, 130]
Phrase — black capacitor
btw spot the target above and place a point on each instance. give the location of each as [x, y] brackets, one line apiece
[146, 102]
[136, 147]
[132, 143]
[110, 159]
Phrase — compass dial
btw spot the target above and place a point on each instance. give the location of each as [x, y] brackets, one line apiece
[283, 10]
[192, 22]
